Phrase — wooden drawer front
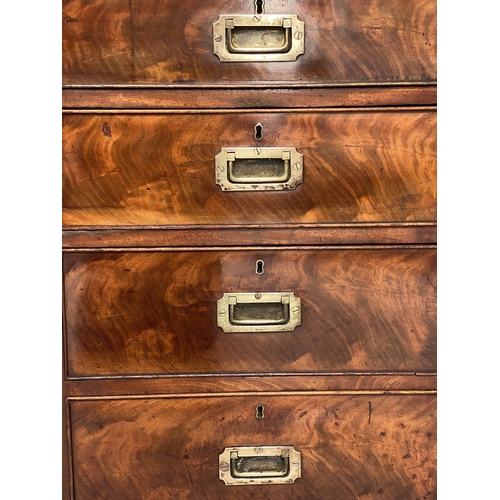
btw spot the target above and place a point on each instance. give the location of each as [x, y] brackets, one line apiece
[153, 169]
[171, 43]
[364, 446]
[140, 313]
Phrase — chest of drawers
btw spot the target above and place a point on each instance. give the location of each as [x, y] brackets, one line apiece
[249, 249]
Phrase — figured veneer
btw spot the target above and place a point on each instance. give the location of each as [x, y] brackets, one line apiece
[154, 312]
[352, 446]
[155, 43]
[134, 168]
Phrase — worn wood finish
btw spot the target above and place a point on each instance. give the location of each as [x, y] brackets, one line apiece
[226, 383]
[203, 236]
[249, 98]
[135, 169]
[371, 446]
[170, 42]
[133, 313]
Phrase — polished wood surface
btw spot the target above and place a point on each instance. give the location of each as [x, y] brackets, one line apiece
[158, 168]
[341, 382]
[139, 313]
[250, 235]
[371, 446]
[167, 42]
[211, 98]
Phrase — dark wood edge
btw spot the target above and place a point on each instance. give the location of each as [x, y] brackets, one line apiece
[251, 85]
[240, 385]
[210, 236]
[198, 111]
[239, 98]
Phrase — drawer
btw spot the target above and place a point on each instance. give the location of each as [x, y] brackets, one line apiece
[171, 43]
[351, 446]
[125, 169]
[138, 313]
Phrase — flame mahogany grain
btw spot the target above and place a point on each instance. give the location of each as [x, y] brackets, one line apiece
[168, 42]
[142, 313]
[154, 169]
[352, 446]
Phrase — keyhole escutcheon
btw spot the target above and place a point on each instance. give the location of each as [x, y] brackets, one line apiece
[259, 412]
[259, 267]
[258, 131]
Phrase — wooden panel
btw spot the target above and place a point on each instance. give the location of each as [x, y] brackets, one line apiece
[373, 446]
[134, 169]
[133, 313]
[249, 98]
[167, 42]
[339, 382]
[182, 236]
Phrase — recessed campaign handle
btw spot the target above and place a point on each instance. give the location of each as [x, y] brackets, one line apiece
[259, 312]
[260, 465]
[258, 37]
[258, 169]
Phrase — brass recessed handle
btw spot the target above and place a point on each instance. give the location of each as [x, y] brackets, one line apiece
[258, 37]
[258, 169]
[259, 312]
[259, 465]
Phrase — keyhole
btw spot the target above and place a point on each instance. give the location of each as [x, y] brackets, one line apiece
[259, 6]
[259, 267]
[259, 412]
[258, 131]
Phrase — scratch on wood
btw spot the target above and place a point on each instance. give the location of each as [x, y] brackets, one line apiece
[302, 414]
[369, 412]
[332, 409]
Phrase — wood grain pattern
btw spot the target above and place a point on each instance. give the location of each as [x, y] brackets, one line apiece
[137, 313]
[208, 236]
[135, 169]
[370, 447]
[167, 42]
[358, 382]
[211, 98]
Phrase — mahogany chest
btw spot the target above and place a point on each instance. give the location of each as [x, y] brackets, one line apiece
[249, 249]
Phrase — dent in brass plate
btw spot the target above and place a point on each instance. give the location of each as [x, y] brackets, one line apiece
[258, 169]
[258, 37]
[258, 312]
[260, 465]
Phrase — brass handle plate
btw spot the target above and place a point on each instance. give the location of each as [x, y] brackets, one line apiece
[258, 169]
[260, 465]
[258, 312]
[258, 37]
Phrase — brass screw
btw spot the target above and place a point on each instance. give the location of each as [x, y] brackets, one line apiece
[298, 35]
[258, 296]
[296, 166]
[257, 151]
[256, 18]
[220, 168]
[218, 38]
[295, 310]
[222, 313]
[224, 467]
[295, 464]
[258, 450]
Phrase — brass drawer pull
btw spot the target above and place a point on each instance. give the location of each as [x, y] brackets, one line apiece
[258, 37]
[259, 465]
[258, 312]
[258, 169]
